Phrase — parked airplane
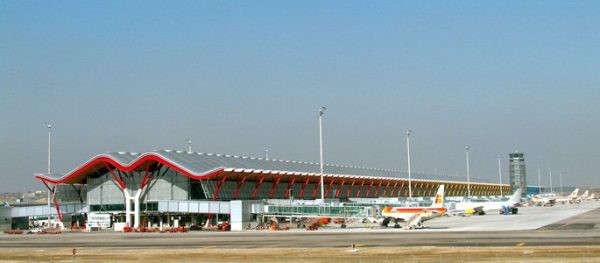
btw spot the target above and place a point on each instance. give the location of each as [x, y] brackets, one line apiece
[481, 208]
[547, 199]
[569, 199]
[415, 216]
[585, 195]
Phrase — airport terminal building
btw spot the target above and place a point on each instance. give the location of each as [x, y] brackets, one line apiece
[168, 188]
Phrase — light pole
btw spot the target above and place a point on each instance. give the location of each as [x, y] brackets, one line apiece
[189, 141]
[408, 155]
[560, 180]
[468, 174]
[266, 154]
[500, 174]
[321, 112]
[539, 180]
[49, 125]
[550, 175]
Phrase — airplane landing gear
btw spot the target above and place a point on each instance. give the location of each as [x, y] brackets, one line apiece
[385, 222]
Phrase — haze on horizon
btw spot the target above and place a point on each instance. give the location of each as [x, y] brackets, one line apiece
[239, 76]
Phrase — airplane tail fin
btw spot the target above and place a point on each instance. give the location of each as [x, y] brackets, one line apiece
[574, 193]
[515, 197]
[438, 201]
[585, 194]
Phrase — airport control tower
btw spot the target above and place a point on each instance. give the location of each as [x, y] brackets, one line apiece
[518, 175]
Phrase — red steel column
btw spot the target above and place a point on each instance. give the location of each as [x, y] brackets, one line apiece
[369, 189]
[360, 188]
[337, 193]
[273, 187]
[219, 183]
[329, 187]
[386, 188]
[350, 188]
[290, 185]
[255, 191]
[301, 194]
[314, 193]
[119, 181]
[238, 187]
[379, 186]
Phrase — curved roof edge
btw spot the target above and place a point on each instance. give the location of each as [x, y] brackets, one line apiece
[127, 167]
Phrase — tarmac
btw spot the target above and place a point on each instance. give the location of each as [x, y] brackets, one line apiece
[561, 225]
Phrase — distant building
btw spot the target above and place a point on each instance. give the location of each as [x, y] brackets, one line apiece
[518, 175]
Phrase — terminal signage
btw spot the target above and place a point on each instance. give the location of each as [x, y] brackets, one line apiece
[98, 220]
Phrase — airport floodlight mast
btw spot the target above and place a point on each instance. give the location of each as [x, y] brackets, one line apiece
[408, 155]
[539, 180]
[500, 174]
[560, 180]
[266, 154]
[468, 174]
[189, 141]
[49, 125]
[550, 175]
[321, 112]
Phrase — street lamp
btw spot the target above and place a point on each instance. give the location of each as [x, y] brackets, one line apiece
[468, 174]
[321, 112]
[189, 141]
[408, 154]
[49, 125]
[500, 174]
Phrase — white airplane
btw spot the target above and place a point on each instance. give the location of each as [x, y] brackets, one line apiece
[481, 208]
[585, 195]
[547, 199]
[415, 216]
[569, 199]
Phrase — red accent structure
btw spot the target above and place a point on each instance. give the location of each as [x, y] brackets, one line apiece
[314, 194]
[301, 194]
[378, 186]
[219, 184]
[386, 189]
[54, 201]
[77, 175]
[360, 188]
[329, 187]
[394, 188]
[238, 187]
[290, 184]
[273, 187]
[57, 208]
[255, 192]
[337, 192]
[350, 188]
[117, 179]
[145, 178]
[369, 188]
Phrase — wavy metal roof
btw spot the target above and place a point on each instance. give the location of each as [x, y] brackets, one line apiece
[201, 165]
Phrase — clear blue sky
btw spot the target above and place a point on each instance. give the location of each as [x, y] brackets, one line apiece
[238, 76]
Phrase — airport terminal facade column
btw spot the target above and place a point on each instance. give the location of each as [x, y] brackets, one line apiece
[129, 198]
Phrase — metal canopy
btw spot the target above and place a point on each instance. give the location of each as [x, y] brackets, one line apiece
[204, 165]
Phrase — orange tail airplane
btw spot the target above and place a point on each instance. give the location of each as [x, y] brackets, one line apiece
[415, 216]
